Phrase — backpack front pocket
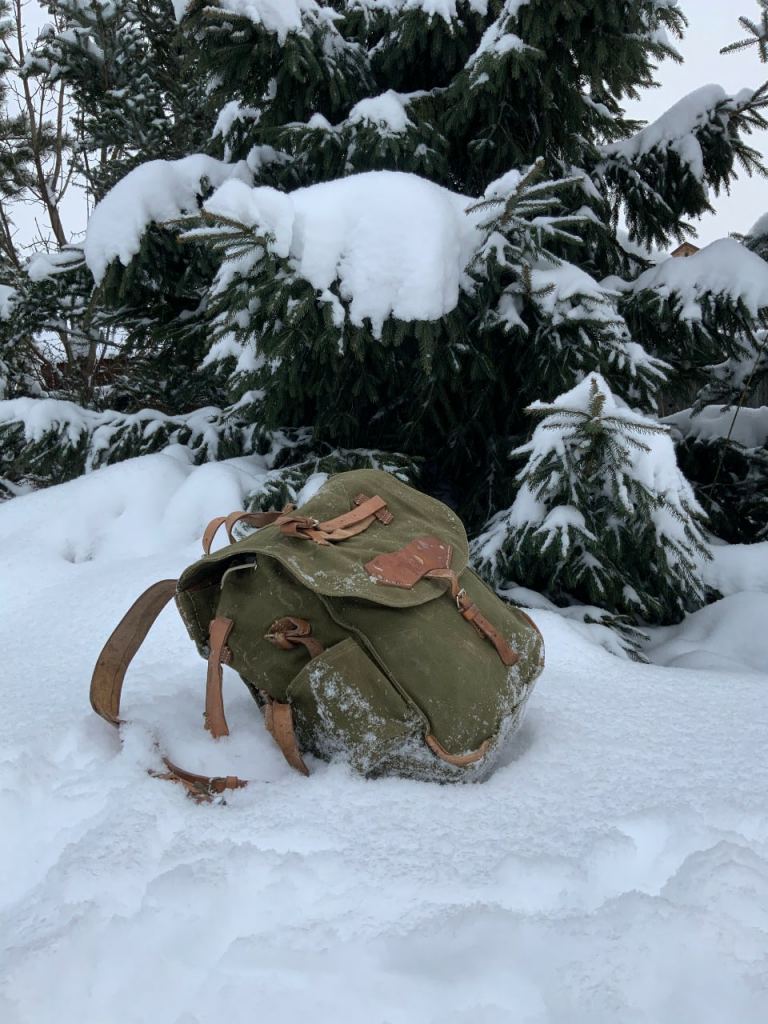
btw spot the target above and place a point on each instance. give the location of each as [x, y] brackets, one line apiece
[344, 706]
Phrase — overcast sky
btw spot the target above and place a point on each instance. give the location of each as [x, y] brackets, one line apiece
[713, 23]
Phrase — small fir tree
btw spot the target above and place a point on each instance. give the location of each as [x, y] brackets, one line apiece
[603, 515]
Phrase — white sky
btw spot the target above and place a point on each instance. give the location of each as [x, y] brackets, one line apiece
[713, 24]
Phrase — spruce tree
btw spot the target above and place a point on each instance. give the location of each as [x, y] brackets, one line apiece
[722, 442]
[603, 515]
[398, 230]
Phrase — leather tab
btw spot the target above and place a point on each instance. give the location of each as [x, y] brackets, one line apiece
[278, 719]
[404, 568]
[382, 514]
[288, 632]
[215, 721]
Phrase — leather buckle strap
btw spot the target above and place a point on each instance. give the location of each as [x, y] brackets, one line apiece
[469, 611]
[289, 632]
[201, 788]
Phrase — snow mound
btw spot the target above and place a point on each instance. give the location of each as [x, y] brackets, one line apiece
[130, 510]
[736, 567]
[725, 267]
[157, 191]
[728, 636]
[393, 244]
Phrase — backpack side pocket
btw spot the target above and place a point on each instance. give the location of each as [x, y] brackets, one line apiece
[345, 707]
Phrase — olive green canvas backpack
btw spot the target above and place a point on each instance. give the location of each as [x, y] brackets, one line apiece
[358, 628]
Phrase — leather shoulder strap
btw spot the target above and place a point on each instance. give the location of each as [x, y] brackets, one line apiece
[118, 652]
[109, 673]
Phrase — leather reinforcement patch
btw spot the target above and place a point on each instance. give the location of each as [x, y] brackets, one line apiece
[404, 568]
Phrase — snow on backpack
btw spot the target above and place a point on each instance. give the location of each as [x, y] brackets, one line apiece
[358, 628]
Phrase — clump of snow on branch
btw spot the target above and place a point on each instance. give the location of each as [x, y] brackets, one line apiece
[676, 129]
[158, 191]
[445, 9]
[745, 426]
[8, 298]
[395, 244]
[723, 268]
[279, 17]
[387, 112]
[497, 39]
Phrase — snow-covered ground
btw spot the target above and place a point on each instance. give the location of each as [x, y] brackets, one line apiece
[614, 871]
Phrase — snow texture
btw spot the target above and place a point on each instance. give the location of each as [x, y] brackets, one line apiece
[7, 301]
[160, 190]
[614, 869]
[725, 267]
[394, 243]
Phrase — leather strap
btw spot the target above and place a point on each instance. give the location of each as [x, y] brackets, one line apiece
[471, 613]
[256, 519]
[341, 527]
[219, 654]
[109, 673]
[118, 651]
[278, 718]
[289, 632]
[460, 760]
[200, 787]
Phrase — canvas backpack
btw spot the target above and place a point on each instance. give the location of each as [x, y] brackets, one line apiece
[358, 628]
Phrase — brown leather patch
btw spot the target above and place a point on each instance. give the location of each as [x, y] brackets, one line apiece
[404, 568]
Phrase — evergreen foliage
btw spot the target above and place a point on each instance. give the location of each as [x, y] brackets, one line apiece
[399, 231]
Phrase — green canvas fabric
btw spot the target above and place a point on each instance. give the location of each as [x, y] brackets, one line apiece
[398, 664]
